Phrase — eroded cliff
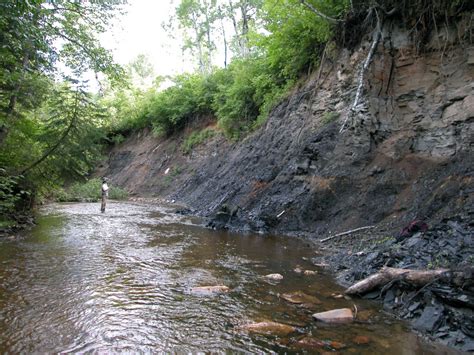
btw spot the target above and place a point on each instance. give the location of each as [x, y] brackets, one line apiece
[406, 154]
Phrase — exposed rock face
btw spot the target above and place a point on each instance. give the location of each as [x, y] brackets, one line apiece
[407, 154]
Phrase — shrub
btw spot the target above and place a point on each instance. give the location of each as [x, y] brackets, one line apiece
[90, 192]
[197, 138]
[329, 117]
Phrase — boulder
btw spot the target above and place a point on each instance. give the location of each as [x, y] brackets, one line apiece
[298, 270]
[268, 328]
[299, 297]
[430, 319]
[210, 289]
[310, 272]
[343, 315]
[275, 277]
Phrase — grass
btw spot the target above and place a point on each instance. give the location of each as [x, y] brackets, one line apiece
[197, 138]
[329, 117]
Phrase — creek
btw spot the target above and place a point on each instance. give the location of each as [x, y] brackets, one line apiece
[82, 281]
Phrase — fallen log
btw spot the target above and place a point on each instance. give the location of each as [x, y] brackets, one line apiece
[417, 278]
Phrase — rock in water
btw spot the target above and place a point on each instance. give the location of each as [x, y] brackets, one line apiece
[268, 328]
[343, 315]
[361, 340]
[275, 277]
[310, 343]
[210, 289]
[310, 272]
[299, 297]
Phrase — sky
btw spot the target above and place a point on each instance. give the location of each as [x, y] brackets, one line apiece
[140, 31]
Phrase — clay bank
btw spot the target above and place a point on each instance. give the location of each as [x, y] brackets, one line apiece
[321, 166]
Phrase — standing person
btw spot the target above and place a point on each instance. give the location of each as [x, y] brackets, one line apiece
[105, 194]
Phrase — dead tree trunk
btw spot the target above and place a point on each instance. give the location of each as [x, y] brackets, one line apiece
[417, 278]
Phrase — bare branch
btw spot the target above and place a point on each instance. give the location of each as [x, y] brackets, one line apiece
[319, 13]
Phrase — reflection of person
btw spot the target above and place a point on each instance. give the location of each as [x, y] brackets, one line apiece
[105, 194]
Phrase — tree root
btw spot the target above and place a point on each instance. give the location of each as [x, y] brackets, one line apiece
[376, 37]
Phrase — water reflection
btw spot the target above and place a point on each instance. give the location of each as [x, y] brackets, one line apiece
[82, 281]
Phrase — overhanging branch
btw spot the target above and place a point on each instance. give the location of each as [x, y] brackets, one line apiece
[319, 13]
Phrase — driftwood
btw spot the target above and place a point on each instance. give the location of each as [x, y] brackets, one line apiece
[417, 278]
[345, 233]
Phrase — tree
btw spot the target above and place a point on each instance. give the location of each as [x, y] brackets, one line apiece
[35, 36]
[243, 15]
[141, 71]
[197, 18]
[49, 131]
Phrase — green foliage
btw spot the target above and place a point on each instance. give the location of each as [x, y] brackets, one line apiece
[329, 117]
[90, 191]
[296, 35]
[49, 129]
[190, 96]
[197, 138]
[8, 198]
[269, 60]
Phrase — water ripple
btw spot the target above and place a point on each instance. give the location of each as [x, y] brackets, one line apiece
[122, 281]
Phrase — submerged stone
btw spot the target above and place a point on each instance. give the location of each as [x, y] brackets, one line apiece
[361, 340]
[309, 343]
[268, 328]
[299, 297]
[343, 315]
[210, 289]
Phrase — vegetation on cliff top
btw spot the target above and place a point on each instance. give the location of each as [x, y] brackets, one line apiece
[273, 44]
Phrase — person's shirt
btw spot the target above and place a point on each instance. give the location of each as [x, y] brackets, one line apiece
[105, 189]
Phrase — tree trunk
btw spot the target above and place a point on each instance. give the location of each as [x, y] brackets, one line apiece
[417, 278]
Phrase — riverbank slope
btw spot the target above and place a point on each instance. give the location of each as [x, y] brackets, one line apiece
[405, 155]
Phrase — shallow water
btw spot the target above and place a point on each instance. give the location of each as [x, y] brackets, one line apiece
[82, 281]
